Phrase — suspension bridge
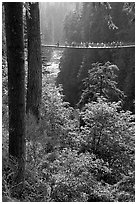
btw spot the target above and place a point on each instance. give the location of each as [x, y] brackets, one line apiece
[114, 45]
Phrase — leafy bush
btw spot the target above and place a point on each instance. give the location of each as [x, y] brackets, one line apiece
[109, 133]
[69, 163]
[74, 177]
[101, 82]
[57, 116]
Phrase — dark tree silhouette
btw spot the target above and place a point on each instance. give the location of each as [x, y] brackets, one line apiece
[34, 86]
[16, 85]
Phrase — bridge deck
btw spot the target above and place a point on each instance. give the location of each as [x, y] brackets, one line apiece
[90, 47]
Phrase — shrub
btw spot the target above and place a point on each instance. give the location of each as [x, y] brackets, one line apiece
[109, 132]
[75, 177]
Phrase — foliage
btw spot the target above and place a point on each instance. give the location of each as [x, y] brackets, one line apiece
[125, 59]
[101, 82]
[69, 67]
[53, 15]
[69, 172]
[90, 23]
[9, 169]
[72, 27]
[58, 170]
[4, 91]
[67, 161]
[77, 176]
[109, 133]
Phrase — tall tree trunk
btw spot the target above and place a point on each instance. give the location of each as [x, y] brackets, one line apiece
[34, 86]
[16, 85]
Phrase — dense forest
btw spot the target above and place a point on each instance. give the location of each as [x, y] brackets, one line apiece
[91, 25]
[70, 136]
[52, 16]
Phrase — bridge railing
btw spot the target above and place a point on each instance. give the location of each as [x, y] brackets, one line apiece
[93, 45]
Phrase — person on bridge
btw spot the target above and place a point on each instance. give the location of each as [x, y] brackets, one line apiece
[58, 44]
[73, 43]
[66, 43]
[86, 44]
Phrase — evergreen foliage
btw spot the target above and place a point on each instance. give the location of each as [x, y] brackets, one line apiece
[101, 82]
[90, 23]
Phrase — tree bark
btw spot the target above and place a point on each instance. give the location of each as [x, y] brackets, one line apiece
[16, 84]
[34, 86]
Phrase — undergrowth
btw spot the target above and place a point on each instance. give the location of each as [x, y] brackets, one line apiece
[70, 162]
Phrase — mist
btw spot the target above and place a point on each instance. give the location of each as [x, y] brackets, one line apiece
[52, 17]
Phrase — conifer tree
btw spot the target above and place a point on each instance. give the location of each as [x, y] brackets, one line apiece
[16, 86]
[34, 86]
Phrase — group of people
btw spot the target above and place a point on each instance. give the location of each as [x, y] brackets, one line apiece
[93, 44]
